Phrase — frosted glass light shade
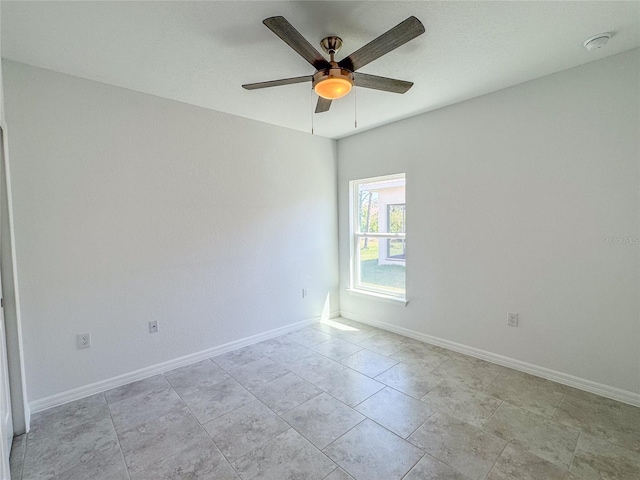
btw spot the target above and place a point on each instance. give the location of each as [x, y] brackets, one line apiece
[332, 88]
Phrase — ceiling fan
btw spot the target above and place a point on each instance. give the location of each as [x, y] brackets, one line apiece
[333, 79]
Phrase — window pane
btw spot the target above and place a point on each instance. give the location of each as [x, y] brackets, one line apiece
[395, 218]
[396, 249]
[378, 271]
[374, 200]
[368, 208]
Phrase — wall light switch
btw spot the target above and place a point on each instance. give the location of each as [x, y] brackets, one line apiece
[153, 327]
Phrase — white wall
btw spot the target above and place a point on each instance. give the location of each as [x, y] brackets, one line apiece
[509, 197]
[130, 208]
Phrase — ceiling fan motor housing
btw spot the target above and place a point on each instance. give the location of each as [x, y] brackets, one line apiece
[331, 45]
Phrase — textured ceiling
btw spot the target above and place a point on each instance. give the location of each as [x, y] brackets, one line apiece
[201, 52]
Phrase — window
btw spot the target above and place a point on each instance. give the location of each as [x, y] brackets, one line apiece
[396, 247]
[378, 238]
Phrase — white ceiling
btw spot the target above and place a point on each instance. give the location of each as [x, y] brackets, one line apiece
[201, 52]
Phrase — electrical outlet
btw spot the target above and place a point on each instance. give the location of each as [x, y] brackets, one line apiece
[83, 340]
[304, 293]
[512, 319]
[153, 326]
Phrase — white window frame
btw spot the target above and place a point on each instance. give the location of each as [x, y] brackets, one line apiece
[355, 235]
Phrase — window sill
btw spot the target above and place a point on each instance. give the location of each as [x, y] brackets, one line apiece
[378, 296]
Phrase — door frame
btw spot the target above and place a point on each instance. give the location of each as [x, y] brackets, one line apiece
[6, 417]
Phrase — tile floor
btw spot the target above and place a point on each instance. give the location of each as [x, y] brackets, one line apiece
[338, 400]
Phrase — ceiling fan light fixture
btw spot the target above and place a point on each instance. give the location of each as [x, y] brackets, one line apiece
[333, 83]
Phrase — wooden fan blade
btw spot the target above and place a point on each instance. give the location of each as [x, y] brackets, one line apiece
[323, 105]
[381, 83]
[282, 28]
[394, 38]
[277, 83]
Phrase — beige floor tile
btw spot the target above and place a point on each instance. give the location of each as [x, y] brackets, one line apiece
[368, 363]
[460, 401]
[163, 437]
[613, 421]
[308, 337]
[50, 453]
[460, 445]
[430, 468]
[383, 344]
[396, 411]
[147, 385]
[315, 367]
[242, 430]
[409, 379]
[201, 462]
[285, 393]
[597, 459]
[336, 349]
[195, 376]
[369, 451]
[69, 415]
[287, 456]
[212, 402]
[144, 407]
[237, 358]
[258, 372]
[422, 356]
[525, 391]
[282, 350]
[108, 465]
[534, 433]
[516, 464]
[350, 387]
[323, 419]
[477, 377]
[338, 474]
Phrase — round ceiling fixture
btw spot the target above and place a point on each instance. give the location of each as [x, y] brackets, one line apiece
[333, 83]
[597, 41]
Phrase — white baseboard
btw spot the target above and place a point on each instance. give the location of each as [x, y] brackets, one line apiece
[27, 417]
[566, 379]
[104, 385]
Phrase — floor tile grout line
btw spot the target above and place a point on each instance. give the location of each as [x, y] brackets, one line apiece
[558, 407]
[330, 473]
[575, 450]
[417, 462]
[492, 382]
[427, 454]
[421, 425]
[496, 461]
[490, 417]
[335, 440]
[124, 461]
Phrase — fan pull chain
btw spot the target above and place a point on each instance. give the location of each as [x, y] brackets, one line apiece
[355, 106]
[311, 92]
